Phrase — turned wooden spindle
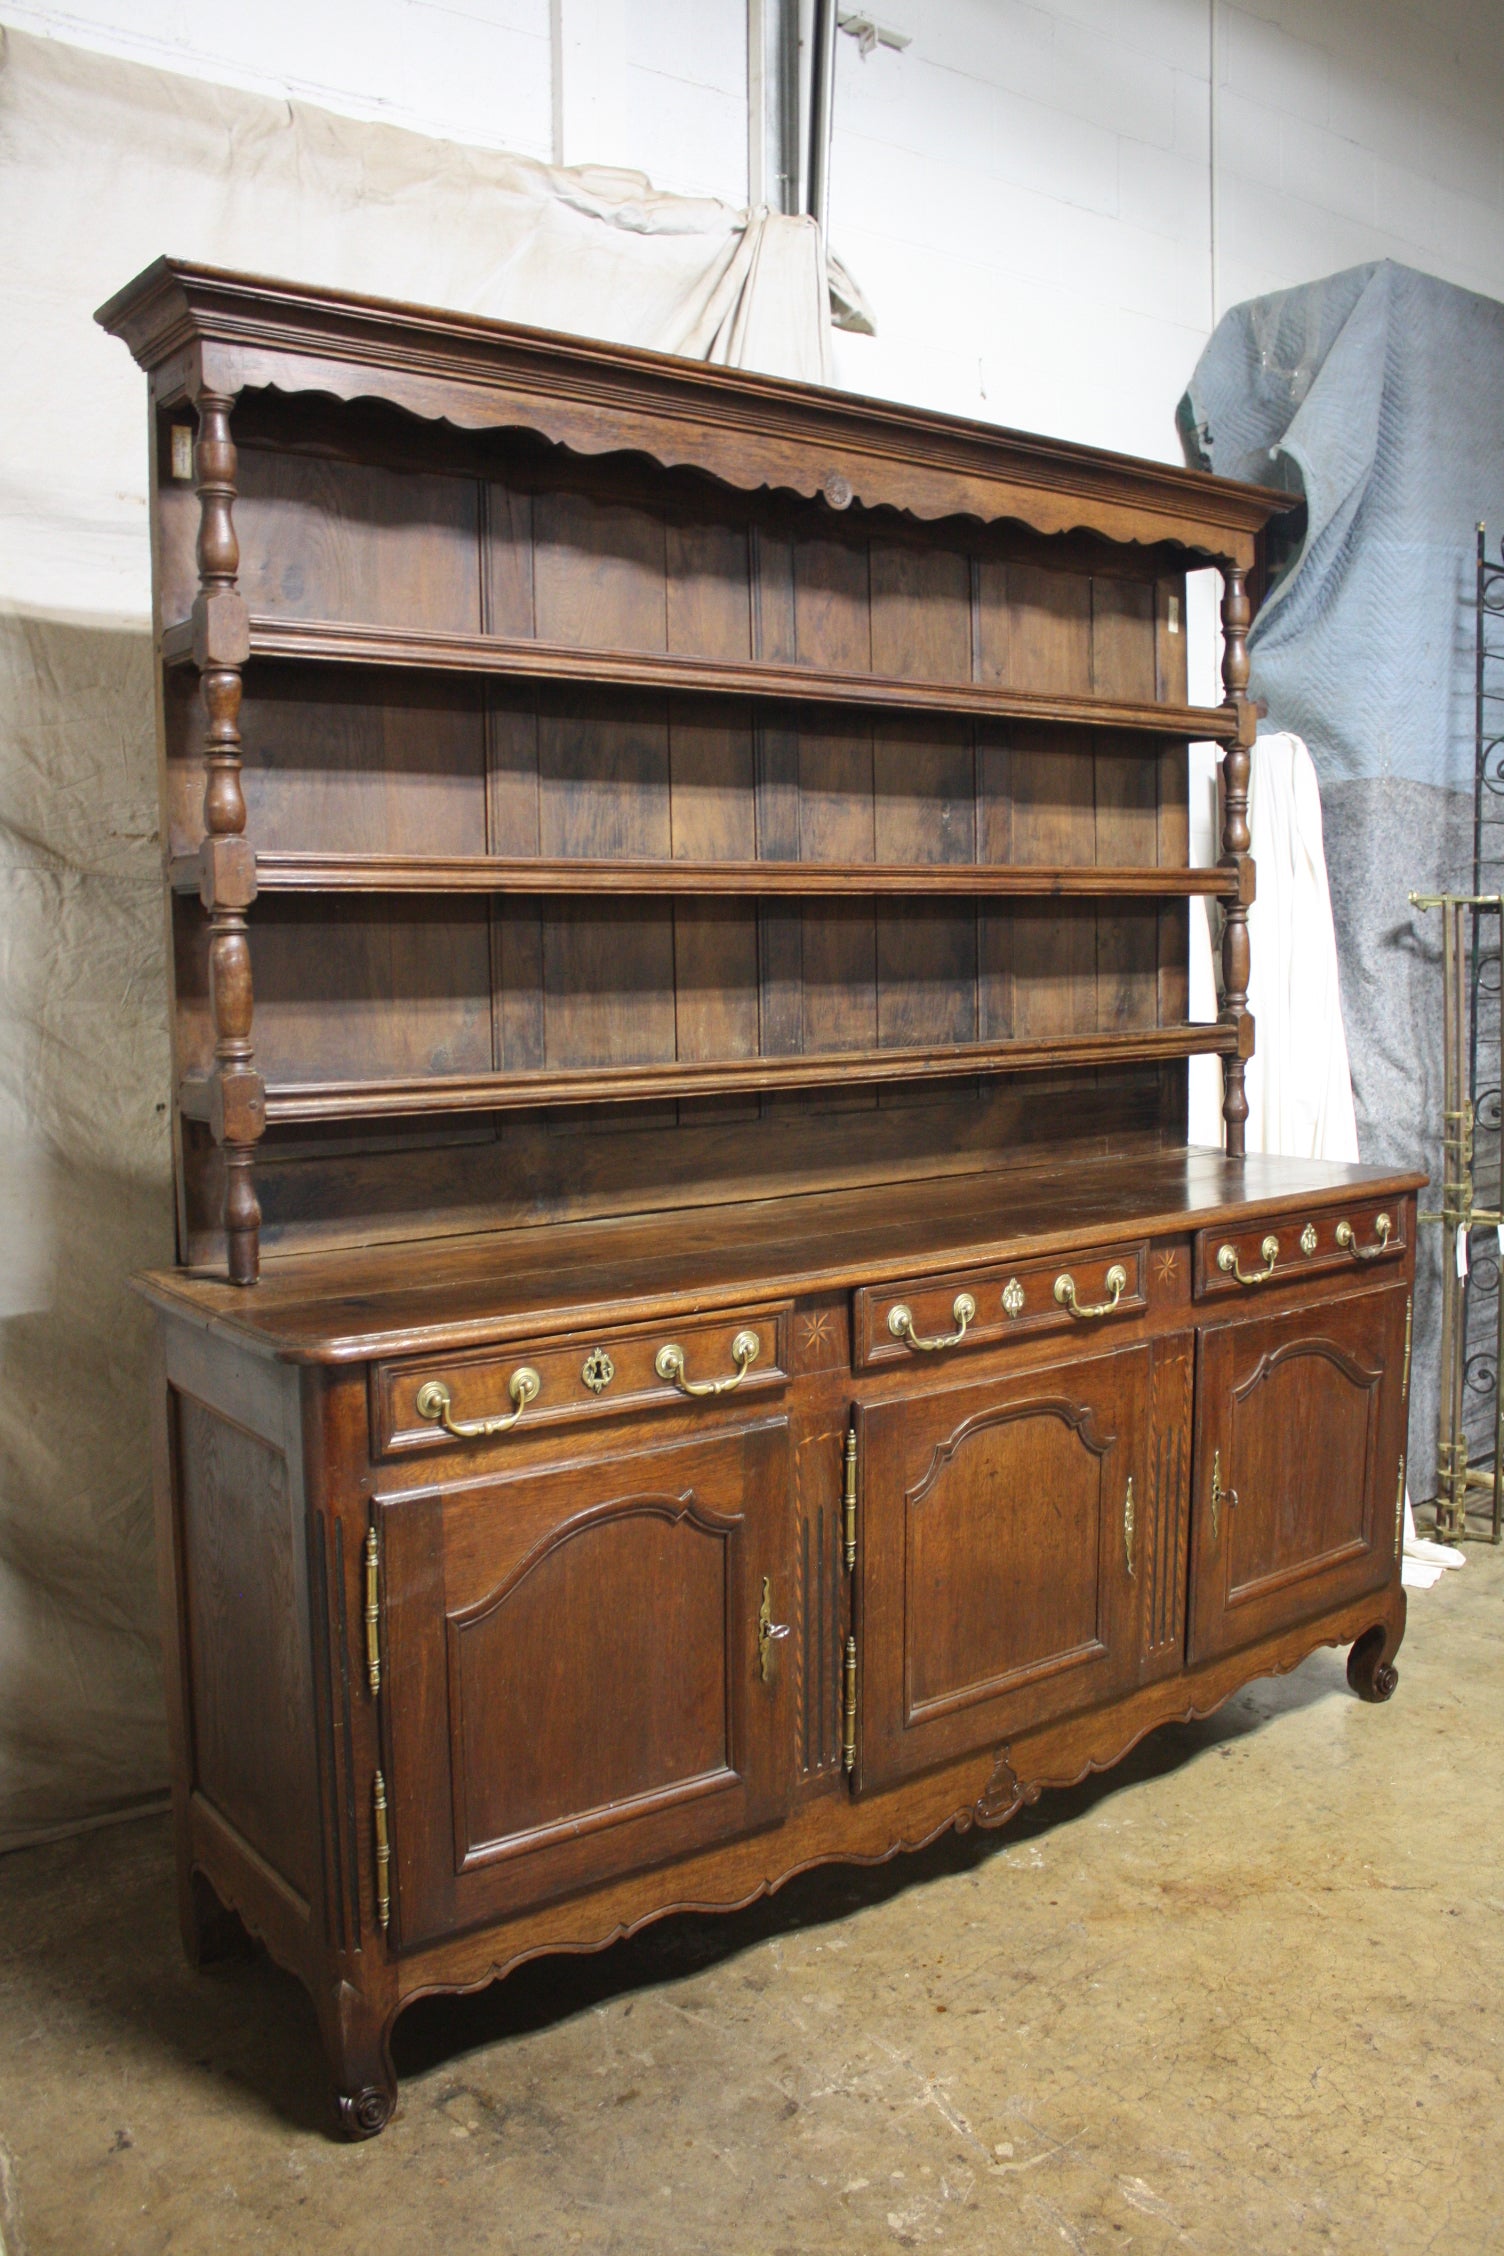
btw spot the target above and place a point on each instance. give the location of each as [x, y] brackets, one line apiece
[227, 866]
[1236, 616]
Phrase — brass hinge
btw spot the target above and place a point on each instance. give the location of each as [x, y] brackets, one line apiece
[1399, 1506]
[373, 1608]
[1128, 1527]
[1405, 1378]
[383, 1853]
[848, 1501]
[848, 1707]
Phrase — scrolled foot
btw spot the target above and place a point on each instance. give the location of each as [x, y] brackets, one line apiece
[363, 2113]
[357, 2035]
[1370, 1670]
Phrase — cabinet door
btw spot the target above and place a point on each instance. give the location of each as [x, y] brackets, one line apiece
[995, 1584]
[1299, 1465]
[575, 1683]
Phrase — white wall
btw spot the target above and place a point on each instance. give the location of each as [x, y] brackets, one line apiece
[1023, 192]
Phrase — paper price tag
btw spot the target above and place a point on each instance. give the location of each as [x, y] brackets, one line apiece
[1462, 1249]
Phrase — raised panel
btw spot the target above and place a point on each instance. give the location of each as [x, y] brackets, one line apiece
[1305, 1404]
[577, 1688]
[644, 1719]
[995, 1589]
[1299, 1464]
[1004, 1537]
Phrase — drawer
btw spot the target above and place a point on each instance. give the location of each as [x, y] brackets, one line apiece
[580, 1376]
[1364, 1235]
[919, 1320]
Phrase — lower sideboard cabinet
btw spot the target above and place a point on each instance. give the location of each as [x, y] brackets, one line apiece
[497, 1639]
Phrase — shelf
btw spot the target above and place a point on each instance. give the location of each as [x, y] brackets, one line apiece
[329, 643]
[646, 1084]
[480, 873]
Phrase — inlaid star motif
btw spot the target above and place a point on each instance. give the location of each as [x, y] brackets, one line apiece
[817, 1329]
[1168, 1265]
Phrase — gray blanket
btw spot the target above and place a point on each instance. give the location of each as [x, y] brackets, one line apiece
[1376, 397]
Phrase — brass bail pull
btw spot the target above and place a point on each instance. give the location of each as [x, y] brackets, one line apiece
[435, 1402]
[901, 1324]
[1116, 1281]
[669, 1364]
[1347, 1240]
[1227, 1262]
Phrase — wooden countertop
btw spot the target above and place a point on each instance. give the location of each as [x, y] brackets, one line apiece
[472, 1291]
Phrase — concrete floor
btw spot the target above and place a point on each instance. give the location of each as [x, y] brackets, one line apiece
[1246, 1993]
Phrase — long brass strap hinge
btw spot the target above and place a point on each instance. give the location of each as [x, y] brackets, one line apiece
[373, 1608]
[848, 1708]
[848, 1502]
[383, 1852]
[1405, 1375]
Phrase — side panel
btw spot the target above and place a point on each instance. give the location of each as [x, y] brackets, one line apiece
[251, 1736]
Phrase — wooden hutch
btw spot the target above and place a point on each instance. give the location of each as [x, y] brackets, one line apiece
[700, 1345]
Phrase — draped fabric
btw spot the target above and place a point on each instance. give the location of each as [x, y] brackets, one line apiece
[103, 166]
[1376, 397]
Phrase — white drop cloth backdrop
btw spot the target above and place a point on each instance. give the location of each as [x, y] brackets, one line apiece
[104, 165]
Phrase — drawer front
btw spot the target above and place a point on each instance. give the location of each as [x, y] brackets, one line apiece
[581, 1376]
[925, 1320]
[1365, 1235]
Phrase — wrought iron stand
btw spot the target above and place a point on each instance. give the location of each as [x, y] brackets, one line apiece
[1472, 1189]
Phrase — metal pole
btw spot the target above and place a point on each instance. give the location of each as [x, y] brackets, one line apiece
[822, 86]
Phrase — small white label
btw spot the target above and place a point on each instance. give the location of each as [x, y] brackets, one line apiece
[182, 452]
[1172, 615]
[1462, 1249]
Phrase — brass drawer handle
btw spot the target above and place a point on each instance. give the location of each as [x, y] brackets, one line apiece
[669, 1364]
[1227, 1262]
[901, 1324]
[1116, 1282]
[1345, 1239]
[435, 1401]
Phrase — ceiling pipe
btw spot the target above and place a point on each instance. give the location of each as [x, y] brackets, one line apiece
[822, 85]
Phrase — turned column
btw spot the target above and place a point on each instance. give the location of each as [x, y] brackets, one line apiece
[1236, 614]
[227, 866]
